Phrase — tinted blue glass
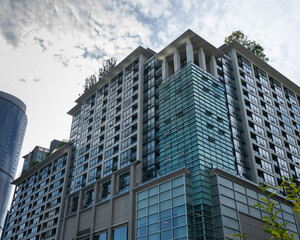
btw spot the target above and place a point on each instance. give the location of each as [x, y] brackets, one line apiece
[142, 231]
[166, 235]
[153, 228]
[153, 236]
[165, 224]
[179, 221]
[180, 232]
[179, 210]
[153, 218]
[165, 214]
[142, 222]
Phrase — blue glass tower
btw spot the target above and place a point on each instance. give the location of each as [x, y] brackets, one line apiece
[13, 123]
[195, 134]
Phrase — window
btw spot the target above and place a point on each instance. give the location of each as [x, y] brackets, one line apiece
[265, 90]
[271, 118]
[277, 140]
[88, 198]
[290, 139]
[279, 151]
[127, 112]
[125, 158]
[252, 98]
[105, 190]
[263, 153]
[107, 167]
[259, 130]
[288, 128]
[127, 122]
[110, 142]
[120, 233]
[293, 149]
[101, 236]
[254, 108]
[126, 143]
[261, 141]
[95, 161]
[269, 179]
[267, 99]
[274, 129]
[270, 109]
[282, 163]
[266, 165]
[256, 118]
[124, 181]
[74, 204]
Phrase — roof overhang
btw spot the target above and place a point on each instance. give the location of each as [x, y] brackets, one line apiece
[196, 41]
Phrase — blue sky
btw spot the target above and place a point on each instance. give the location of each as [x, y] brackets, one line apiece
[48, 48]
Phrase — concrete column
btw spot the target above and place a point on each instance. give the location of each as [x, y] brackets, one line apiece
[139, 153]
[165, 69]
[131, 205]
[213, 66]
[189, 52]
[93, 215]
[111, 205]
[176, 60]
[201, 59]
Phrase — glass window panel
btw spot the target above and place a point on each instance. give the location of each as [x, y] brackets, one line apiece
[177, 191]
[153, 218]
[180, 232]
[177, 181]
[142, 231]
[164, 196]
[178, 200]
[153, 236]
[142, 204]
[142, 195]
[165, 214]
[165, 205]
[153, 191]
[166, 235]
[142, 222]
[178, 210]
[165, 224]
[153, 228]
[142, 212]
[164, 186]
[153, 209]
[179, 221]
[153, 199]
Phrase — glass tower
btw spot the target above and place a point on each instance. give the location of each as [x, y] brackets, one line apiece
[194, 133]
[12, 128]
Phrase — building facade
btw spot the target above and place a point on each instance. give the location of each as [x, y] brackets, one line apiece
[13, 123]
[172, 145]
[35, 156]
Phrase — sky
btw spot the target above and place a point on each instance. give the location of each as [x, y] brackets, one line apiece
[48, 48]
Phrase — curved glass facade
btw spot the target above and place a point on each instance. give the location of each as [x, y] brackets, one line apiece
[13, 123]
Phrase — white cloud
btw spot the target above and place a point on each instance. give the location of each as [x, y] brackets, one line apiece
[63, 42]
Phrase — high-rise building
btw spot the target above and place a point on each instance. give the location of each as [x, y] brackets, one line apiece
[35, 156]
[13, 122]
[171, 145]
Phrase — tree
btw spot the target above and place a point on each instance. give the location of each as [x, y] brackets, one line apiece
[108, 65]
[275, 228]
[253, 46]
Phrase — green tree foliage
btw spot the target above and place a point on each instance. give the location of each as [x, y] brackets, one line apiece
[253, 46]
[273, 226]
[108, 65]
